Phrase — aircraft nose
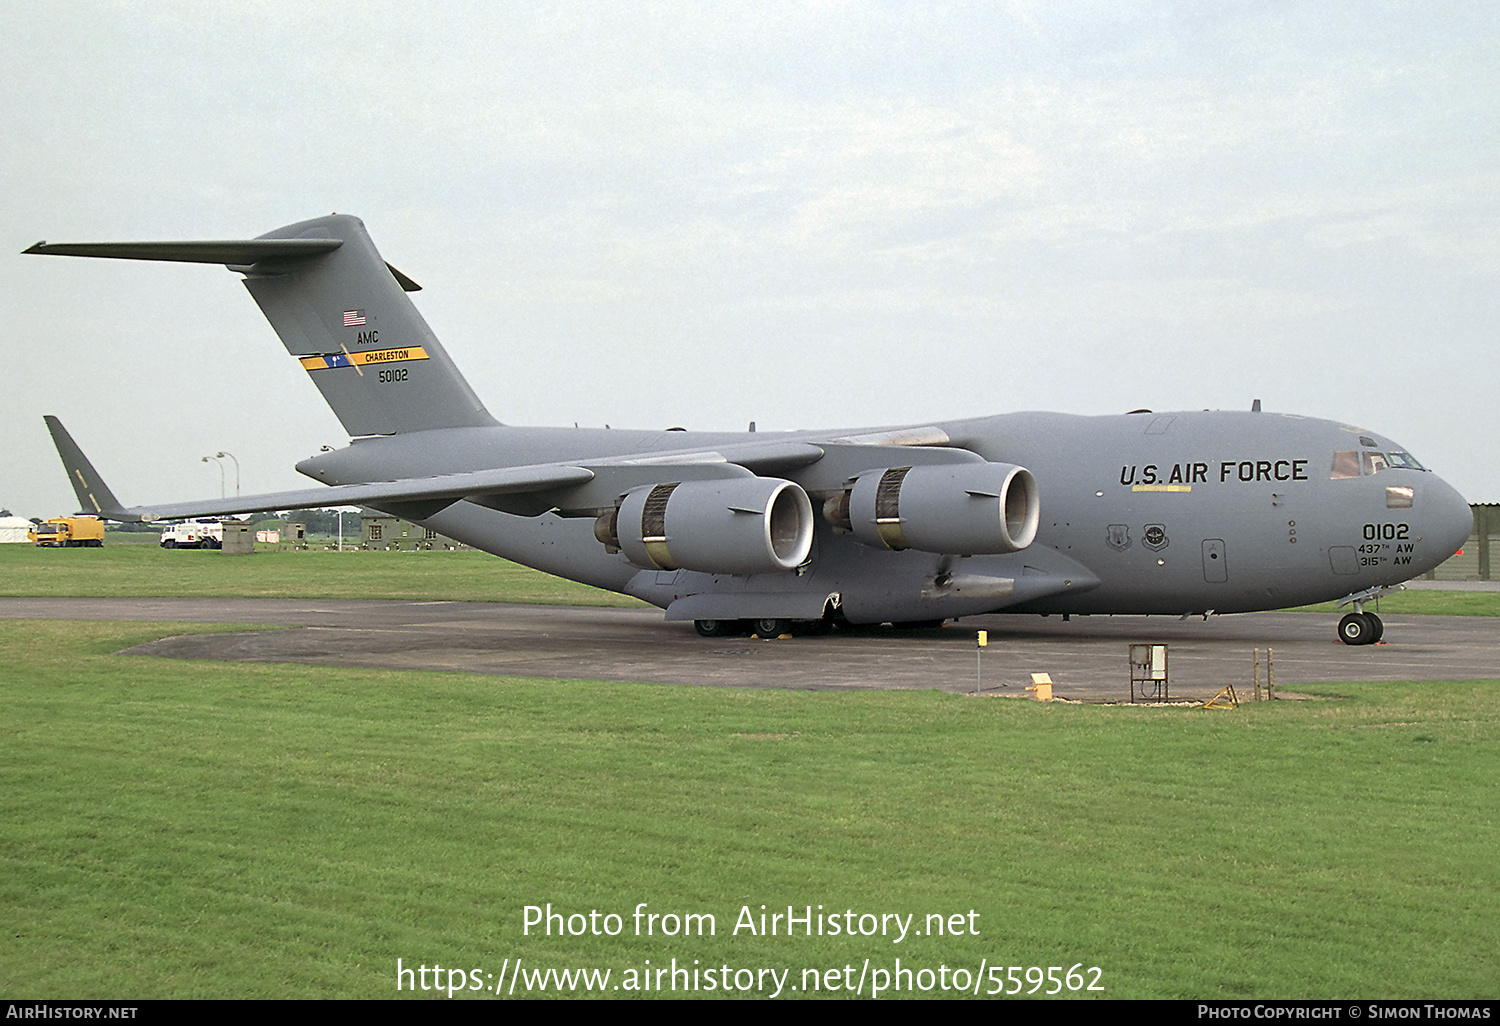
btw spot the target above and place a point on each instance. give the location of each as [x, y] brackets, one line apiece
[1447, 518]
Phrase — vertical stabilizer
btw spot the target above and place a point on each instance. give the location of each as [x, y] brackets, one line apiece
[345, 315]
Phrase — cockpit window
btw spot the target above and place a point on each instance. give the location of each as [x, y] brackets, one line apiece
[1345, 464]
[1357, 463]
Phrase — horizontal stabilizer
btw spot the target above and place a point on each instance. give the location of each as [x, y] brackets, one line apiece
[239, 252]
[229, 252]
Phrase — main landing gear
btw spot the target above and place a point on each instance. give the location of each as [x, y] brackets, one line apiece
[775, 627]
[765, 627]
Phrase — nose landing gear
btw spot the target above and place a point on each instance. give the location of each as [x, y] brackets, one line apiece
[1360, 627]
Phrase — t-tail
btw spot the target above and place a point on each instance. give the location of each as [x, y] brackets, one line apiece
[342, 311]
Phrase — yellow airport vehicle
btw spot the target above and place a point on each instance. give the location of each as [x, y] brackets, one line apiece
[68, 532]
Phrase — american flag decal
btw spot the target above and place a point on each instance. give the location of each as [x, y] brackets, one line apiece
[353, 318]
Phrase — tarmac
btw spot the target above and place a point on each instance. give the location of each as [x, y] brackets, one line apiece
[1086, 657]
[1454, 585]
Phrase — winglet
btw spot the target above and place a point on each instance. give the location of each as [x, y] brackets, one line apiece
[94, 495]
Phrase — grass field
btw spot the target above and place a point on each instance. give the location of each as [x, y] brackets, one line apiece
[152, 572]
[177, 829]
[1432, 603]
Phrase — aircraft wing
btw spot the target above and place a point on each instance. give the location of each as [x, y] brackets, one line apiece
[434, 493]
[578, 489]
[531, 489]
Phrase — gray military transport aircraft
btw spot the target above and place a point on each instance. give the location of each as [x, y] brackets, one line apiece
[1157, 513]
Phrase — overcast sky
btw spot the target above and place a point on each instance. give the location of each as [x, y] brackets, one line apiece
[812, 215]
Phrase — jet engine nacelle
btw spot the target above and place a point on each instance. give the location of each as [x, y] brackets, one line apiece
[965, 508]
[753, 525]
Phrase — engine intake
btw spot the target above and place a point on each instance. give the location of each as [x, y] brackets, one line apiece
[965, 508]
[751, 525]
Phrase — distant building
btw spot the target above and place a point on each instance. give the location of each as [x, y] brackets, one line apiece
[378, 531]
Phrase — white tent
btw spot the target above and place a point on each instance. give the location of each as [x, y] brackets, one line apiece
[13, 529]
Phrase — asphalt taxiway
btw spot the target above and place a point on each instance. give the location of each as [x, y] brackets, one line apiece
[1087, 657]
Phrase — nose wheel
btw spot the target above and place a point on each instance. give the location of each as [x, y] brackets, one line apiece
[1360, 629]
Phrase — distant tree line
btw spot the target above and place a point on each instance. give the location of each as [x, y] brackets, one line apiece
[317, 521]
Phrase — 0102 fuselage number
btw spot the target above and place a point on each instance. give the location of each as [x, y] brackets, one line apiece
[1377, 539]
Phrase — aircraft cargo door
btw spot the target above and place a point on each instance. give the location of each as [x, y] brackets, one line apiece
[1215, 564]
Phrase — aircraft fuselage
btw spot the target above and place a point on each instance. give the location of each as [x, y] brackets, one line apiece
[1165, 513]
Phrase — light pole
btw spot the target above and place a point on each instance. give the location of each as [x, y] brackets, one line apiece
[222, 455]
[340, 513]
[221, 471]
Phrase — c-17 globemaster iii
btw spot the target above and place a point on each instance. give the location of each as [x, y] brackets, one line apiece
[1157, 513]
